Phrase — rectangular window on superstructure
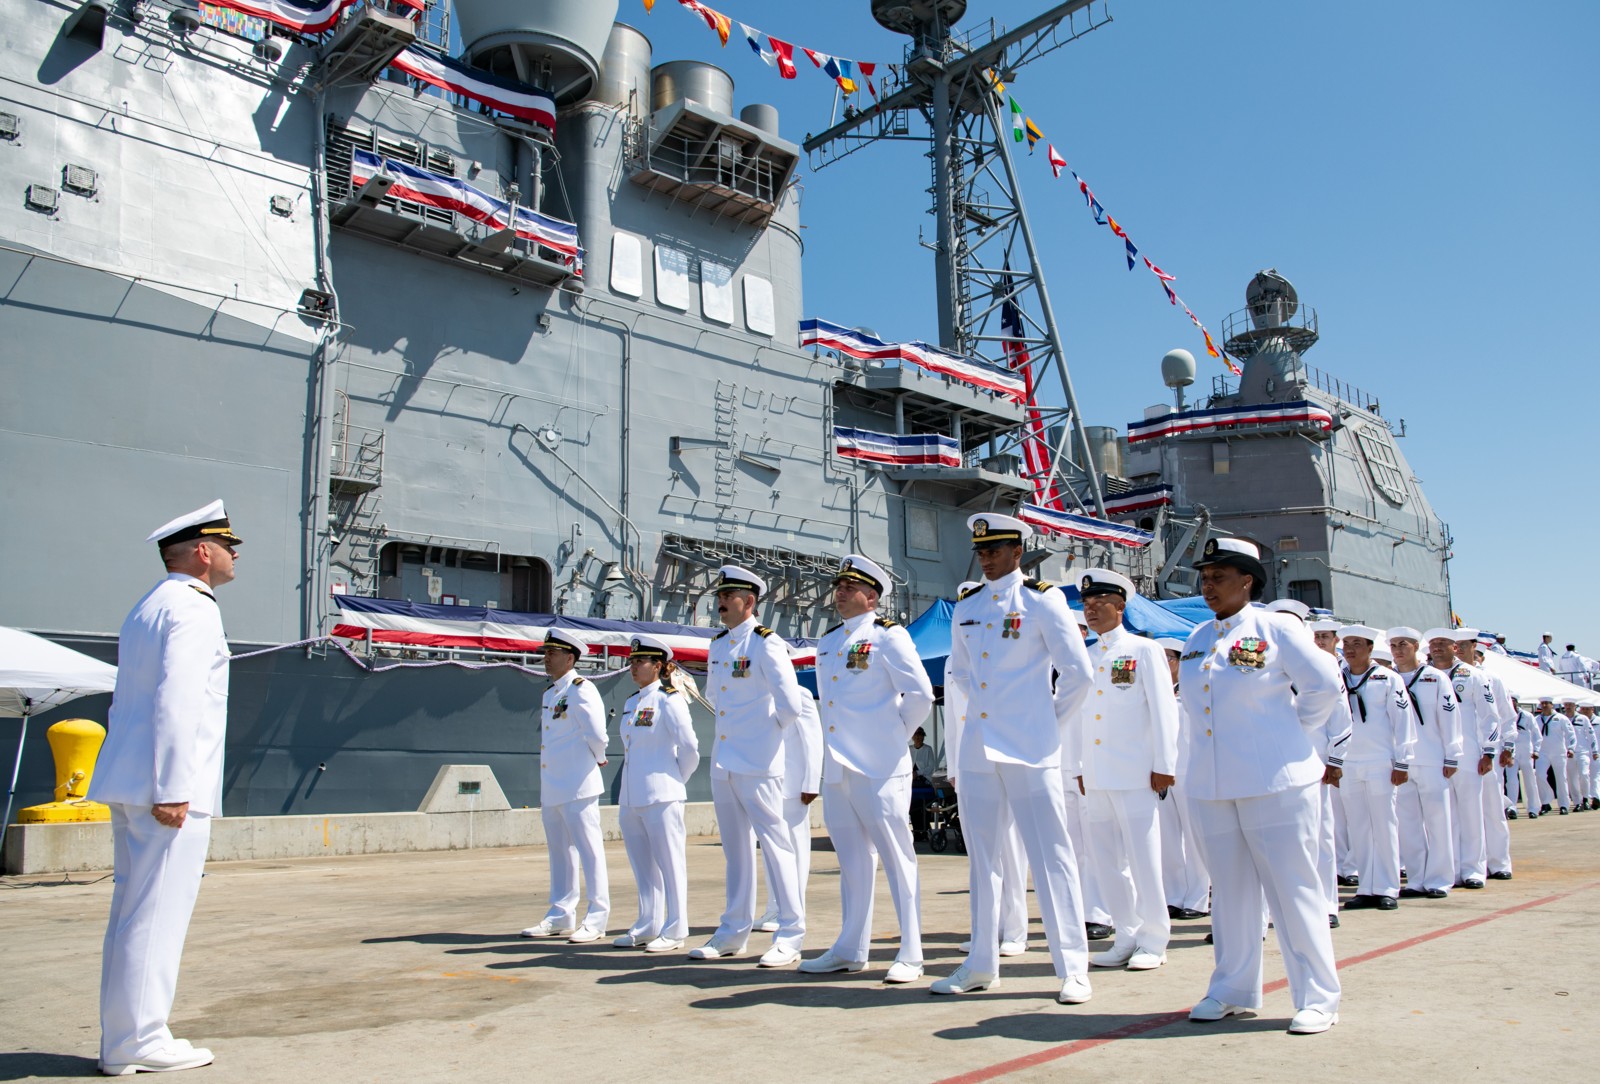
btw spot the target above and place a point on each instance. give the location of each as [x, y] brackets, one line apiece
[627, 265]
[716, 291]
[672, 278]
[759, 313]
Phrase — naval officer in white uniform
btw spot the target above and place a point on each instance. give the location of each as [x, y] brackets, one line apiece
[1255, 690]
[873, 693]
[1376, 761]
[1126, 759]
[572, 750]
[1427, 836]
[659, 754]
[1007, 635]
[161, 773]
[751, 685]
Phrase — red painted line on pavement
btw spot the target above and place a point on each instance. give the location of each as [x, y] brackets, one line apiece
[1156, 1023]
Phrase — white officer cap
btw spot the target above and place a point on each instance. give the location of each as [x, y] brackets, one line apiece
[1078, 616]
[734, 578]
[1326, 624]
[1245, 556]
[208, 522]
[1168, 643]
[861, 570]
[564, 638]
[1103, 581]
[1290, 606]
[649, 647]
[1439, 634]
[1467, 634]
[1365, 632]
[987, 527]
[1404, 632]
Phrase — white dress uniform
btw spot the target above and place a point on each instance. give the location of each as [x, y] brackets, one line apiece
[1332, 740]
[1583, 750]
[1520, 780]
[1427, 831]
[1496, 832]
[572, 744]
[873, 693]
[164, 745]
[1007, 634]
[1383, 741]
[1547, 658]
[1594, 762]
[1555, 730]
[1480, 728]
[1256, 690]
[1129, 730]
[750, 682]
[659, 754]
[1183, 870]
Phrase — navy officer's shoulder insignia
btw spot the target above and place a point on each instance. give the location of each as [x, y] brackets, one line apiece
[883, 623]
[1037, 585]
[763, 632]
[973, 590]
[720, 635]
[577, 681]
[835, 629]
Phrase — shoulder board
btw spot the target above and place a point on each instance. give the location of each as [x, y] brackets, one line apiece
[668, 688]
[1038, 585]
[763, 632]
[969, 592]
[201, 591]
[720, 635]
[577, 681]
[883, 623]
[835, 628]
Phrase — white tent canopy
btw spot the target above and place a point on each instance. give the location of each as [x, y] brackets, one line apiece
[1529, 683]
[37, 675]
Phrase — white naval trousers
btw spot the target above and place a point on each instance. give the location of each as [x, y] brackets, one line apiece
[654, 838]
[1427, 836]
[1369, 808]
[572, 836]
[1327, 861]
[1556, 766]
[1125, 854]
[752, 807]
[1267, 844]
[869, 819]
[1578, 777]
[1594, 779]
[798, 816]
[1094, 901]
[1528, 781]
[1496, 832]
[1344, 865]
[1466, 814]
[1183, 871]
[156, 879]
[1032, 798]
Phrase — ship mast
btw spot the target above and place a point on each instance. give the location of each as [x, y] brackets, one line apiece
[984, 248]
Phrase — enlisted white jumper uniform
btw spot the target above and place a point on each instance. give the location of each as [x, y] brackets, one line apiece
[659, 754]
[1520, 776]
[1007, 635]
[1583, 751]
[751, 685]
[1480, 729]
[1383, 740]
[1556, 732]
[1496, 832]
[1427, 835]
[873, 693]
[1256, 690]
[572, 745]
[164, 746]
[1128, 731]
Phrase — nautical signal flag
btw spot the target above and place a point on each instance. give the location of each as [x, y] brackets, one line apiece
[1057, 163]
[1016, 122]
[1033, 133]
[785, 54]
[1133, 253]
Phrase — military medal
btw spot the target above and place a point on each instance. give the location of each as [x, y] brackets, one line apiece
[644, 717]
[1248, 653]
[740, 667]
[559, 711]
[1122, 670]
[859, 656]
[1011, 627]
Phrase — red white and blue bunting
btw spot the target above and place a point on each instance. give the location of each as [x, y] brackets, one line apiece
[1070, 525]
[1139, 500]
[855, 344]
[1191, 422]
[910, 450]
[505, 95]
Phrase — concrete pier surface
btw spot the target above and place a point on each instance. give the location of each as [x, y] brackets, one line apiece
[408, 967]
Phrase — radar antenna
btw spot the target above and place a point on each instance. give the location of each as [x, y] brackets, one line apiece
[984, 249]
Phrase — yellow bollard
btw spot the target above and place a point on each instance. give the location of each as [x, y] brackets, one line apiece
[75, 744]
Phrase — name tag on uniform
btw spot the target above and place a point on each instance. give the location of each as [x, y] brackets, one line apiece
[1248, 653]
[644, 717]
[1011, 627]
[559, 709]
[1191, 655]
[1123, 670]
[741, 667]
[859, 657]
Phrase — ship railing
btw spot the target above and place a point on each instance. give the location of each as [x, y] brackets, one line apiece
[1224, 386]
[357, 456]
[687, 159]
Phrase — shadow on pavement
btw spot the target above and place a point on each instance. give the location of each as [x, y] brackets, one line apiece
[15, 1066]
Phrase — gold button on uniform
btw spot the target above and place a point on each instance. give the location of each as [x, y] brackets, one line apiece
[983, 715]
[983, 684]
[986, 654]
[1099, 692]
[1097, 740]
[1208, 711]
[1206, 689]
[830, 730]
[1208, 733]
[990, 625]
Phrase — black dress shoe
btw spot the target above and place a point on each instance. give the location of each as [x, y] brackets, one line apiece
[1359, 903]
[1098, 931]
[1544, 808]
[1333, 922]
[1209, 940]
[1386, 903]
[1348, 882]
[1563, 811]
[1500, 875]
[1189, 914]
[1471, 882]
[1413, 893]
[1511, 814]
[1435, 893]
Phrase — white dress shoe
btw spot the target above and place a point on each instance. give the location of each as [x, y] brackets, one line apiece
[1146, 961]
[584, 934]
[1312, 1022]
[1209, 1009]
[716, 950]
[547, 928]
[963, 980]
[1115, 956]
[768, 923]
[1013, 948]
[900, 972]
[781, 956]
[665, 944]
[1075, 990]
[631, 940]
[829, 962]
[168, 1059]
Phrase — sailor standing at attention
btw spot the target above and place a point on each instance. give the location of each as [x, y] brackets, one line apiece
[751, 685]
[874, 694]
[1496, 832]
[1480, 744]
[572, 749]
[1378, 759]
[1007, 634]
[659, 754]
[1333, 836]
[1547, 654]
[1555, 731]
[1183, 871]
[1520, 777]
[1582, 754]
[1255, 690]
[1126, 759]
[1427, 836]
[161, 773]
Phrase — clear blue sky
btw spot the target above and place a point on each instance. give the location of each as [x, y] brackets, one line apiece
[1425, 173]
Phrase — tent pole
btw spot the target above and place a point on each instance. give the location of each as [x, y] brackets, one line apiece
[16, 768]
